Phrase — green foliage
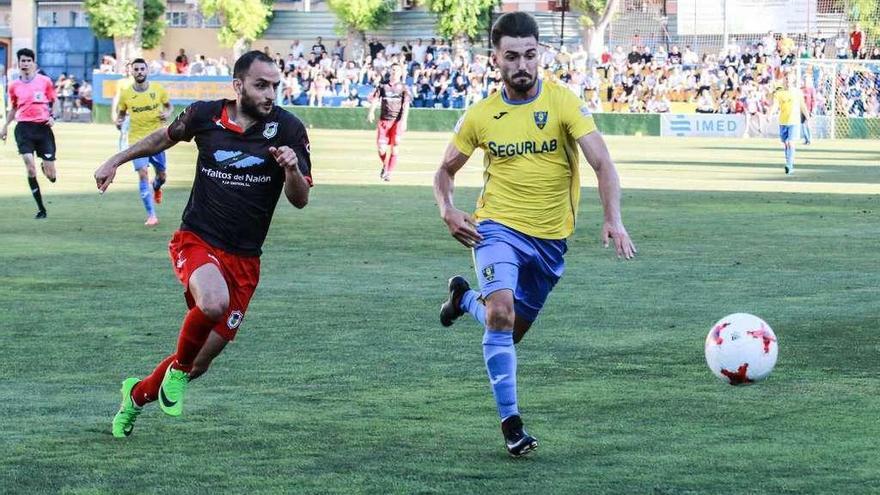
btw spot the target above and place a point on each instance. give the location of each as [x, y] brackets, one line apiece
[119, 19]
[592, 10]
[462, 17]
[867, 14]
[154, 23]
[362, 15]
[112, 18]
[242, 20]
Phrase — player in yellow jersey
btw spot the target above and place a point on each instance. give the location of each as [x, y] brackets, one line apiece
[530, 132]
[789, 102]
[149, 108]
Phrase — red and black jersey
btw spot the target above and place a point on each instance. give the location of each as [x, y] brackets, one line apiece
[394, 98]
[237, 182]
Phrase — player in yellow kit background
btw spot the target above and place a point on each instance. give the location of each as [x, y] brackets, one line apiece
[530, 132]
[789, 102]
[148, 107]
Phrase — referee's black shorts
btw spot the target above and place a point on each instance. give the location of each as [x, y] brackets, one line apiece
[33, 137]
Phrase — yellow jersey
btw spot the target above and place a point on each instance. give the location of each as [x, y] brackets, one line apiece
[789, 101]
[144, 107]
[530, 170]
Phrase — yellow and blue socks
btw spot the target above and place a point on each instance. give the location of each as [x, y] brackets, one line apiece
[500, 356]
[147, 197]
[470, 303]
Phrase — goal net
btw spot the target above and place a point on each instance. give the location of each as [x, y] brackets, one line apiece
[847, 97]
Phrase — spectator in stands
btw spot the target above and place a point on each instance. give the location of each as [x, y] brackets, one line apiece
[375, 47]
[296, 49]
[181, 62]
[108, 65]
[856, 38]
[85, 95]
[594, 104]
[659, 103]
[689, 59]
[660, 56]
[318, 48]
[197, 68]
[339, 50]
[292, 88]
[223, 68]
[675, 55]
[769, 41]
[635, 56]
[580, 57]
[841, 44]
[705, 103]
[157, 66]
[392, 49]
[419, 50]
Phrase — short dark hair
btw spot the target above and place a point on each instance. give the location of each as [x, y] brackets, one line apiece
[25, 52]
[138, 61]
[516, 25]
[244, 62]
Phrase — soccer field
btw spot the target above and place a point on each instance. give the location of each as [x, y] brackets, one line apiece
[341, 379]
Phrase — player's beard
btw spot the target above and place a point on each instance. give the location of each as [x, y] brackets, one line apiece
[140, 78]
[252, 106]
[518, 82]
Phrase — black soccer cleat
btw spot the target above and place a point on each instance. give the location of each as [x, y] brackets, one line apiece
[40, 215]
[450, 310]
[519, 443]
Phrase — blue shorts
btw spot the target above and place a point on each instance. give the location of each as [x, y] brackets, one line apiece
[526, 265]
[157, 161]
[789, 132]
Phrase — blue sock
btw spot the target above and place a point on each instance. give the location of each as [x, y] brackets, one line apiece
[789, 157]
[147, 197]
[157, 183]
[470, 302]
[500, 356]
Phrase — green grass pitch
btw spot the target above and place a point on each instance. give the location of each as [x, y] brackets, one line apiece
[342, 381]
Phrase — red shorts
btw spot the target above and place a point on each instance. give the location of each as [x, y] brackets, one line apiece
[388, 132]
[242, 274]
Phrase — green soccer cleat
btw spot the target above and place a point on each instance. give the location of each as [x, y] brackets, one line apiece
[172, 390]
[123, 422]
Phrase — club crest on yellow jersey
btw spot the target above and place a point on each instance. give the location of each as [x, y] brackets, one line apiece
[540, 119]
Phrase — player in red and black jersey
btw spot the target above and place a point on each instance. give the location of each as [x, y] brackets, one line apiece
[394, 98]
[249, 150]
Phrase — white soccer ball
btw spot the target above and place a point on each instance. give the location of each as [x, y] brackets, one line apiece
[741, 349]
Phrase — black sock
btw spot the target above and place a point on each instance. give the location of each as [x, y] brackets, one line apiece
[35, 190]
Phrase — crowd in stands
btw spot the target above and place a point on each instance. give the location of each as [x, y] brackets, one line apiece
[739, 78]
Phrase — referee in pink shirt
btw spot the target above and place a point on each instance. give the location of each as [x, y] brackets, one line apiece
[31, 98]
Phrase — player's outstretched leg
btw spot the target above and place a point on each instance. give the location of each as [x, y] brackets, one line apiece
[123, 422]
